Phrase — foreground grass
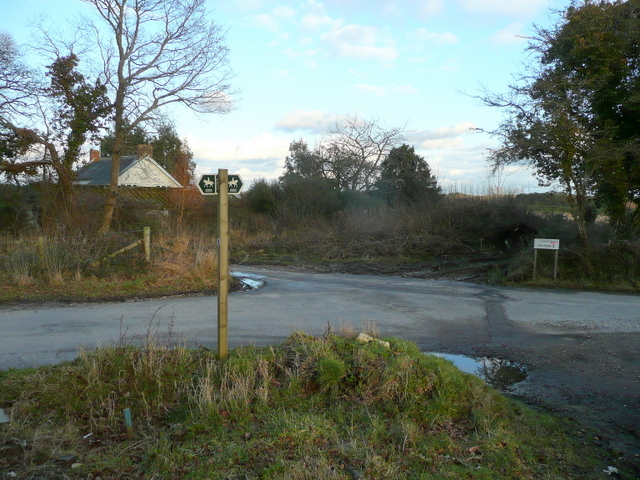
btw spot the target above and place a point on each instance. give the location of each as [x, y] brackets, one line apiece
[311, 408]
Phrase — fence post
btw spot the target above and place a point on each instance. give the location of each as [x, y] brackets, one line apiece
[146, 243]
[40, 247]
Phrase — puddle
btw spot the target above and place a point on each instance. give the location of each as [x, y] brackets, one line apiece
[500, 373]
[249, 281]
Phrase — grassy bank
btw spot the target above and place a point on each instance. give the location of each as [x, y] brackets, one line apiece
[311, 408]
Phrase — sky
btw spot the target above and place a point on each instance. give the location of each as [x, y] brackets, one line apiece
[300, 65]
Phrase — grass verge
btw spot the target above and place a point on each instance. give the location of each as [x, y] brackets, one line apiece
[311, 408]
[144, 285]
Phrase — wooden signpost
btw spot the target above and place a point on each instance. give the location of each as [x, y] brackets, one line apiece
[223, 264]
[222, 184]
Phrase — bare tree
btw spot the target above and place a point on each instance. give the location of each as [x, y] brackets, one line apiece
[17, 81]
[157, 53]
[19, 87]
[354, 149]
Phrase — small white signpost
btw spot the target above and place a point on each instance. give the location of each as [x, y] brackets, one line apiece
[545, 244]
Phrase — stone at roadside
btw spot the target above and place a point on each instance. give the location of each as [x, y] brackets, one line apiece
[67, 459]
[364, 338]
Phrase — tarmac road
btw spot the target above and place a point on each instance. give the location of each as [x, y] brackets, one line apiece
[581, 349]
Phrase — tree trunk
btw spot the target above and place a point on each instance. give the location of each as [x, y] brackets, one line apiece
[68, 194]
[119, 136]
[578, 202]
[579, 217]
[112, 195]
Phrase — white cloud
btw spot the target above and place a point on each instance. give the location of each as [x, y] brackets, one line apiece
[315, 120]
[357, 41]
[263, 149]
[315, 22]
[429, 7]
[462, 128]
[284, 13]
[511, 8]
[509, 35]
[422, 8]
[381, 91]
[266, 21]
[249, 5]
[442, 144]
[294, 54]
[424, 35]
[273, 21]
[314, 7]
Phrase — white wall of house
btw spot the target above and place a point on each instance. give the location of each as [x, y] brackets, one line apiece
[147, 173]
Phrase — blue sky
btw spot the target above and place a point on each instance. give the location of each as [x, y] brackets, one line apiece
[300, 64]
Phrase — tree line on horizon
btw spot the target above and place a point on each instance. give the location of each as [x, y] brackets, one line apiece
[573, 114]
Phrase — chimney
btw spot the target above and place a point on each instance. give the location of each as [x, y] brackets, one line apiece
[145, 150]
[94, 155]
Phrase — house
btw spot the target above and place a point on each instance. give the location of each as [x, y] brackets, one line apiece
[141, 179]
[135, 171]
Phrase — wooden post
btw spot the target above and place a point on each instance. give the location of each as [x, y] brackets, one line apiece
[223, 263]
[40, 247]
[146, 243]
[535, 262]
[555, 267]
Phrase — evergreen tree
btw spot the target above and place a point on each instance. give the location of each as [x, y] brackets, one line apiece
[406, 178]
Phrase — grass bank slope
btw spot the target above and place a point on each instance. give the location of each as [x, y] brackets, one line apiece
[311, 408]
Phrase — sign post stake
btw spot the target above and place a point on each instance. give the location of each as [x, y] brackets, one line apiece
[223, 263]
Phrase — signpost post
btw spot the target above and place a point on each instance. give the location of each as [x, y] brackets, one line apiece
[222, 184]
[223, 264]
[545, 244]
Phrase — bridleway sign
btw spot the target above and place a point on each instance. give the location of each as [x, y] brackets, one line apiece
[208, 184]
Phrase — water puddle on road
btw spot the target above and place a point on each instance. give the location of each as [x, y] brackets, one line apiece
[500, 373]
[249, 281]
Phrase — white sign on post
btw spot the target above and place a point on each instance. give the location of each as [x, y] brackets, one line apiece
[546, 243]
